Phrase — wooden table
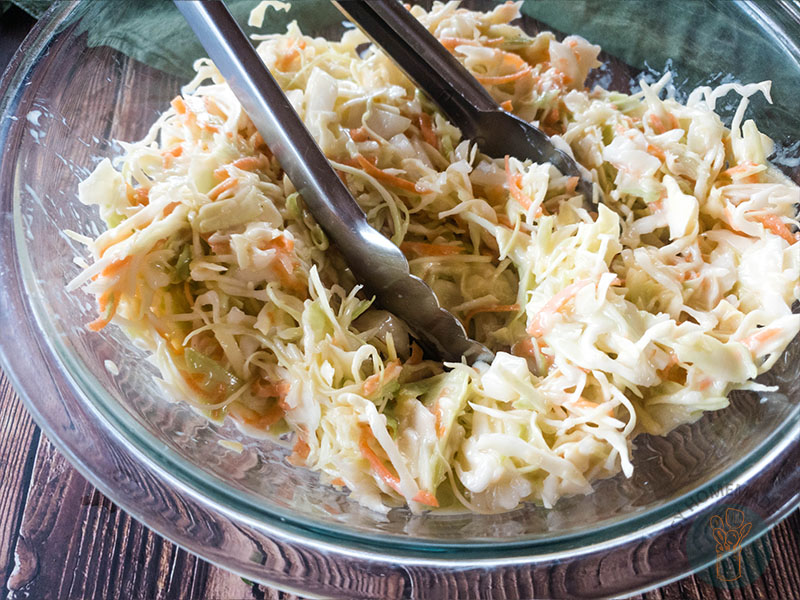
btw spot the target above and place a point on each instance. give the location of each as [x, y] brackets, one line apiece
[61, 538]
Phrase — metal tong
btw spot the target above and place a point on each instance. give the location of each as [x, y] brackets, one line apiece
[373, 259]
[453, 89]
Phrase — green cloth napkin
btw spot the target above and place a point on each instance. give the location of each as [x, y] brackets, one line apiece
[704, 42]
[155, 33]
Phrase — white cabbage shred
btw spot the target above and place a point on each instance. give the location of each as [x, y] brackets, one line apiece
[635, 318]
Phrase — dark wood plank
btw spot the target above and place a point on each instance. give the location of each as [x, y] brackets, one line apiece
[17, 452]
[61, 538]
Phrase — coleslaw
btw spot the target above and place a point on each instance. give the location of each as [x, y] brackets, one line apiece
[635, 318]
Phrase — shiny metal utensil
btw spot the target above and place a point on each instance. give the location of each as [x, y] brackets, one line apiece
[374, 260]
[453, 89]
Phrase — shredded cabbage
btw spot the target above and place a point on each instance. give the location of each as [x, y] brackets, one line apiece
[635, 318]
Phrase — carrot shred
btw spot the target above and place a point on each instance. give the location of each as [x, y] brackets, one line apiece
[359, 134]
[390, 372]
[425, 497]
[572, 184]
[398, 182]
[338, 482]
[301, 448]
[281, 242]
[501, 79]
[107, 304]
[425, 249]
[179, 105]
[754, 340]
[299, 453]
[437, 413]
[740, 168]
[656, 151]
[426, 127]
[555, 304]
[514, 182]
[250, 163]
[507, 106]
[226, 185]
[778, 227]
[262, 389]
[393, 481]
[274, 414]
[139, 195]
[499, 308]
[115, 266]
[657, 123]
[121, 238]
[286, 59]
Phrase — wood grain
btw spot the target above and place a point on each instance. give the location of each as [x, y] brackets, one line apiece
[60, 538]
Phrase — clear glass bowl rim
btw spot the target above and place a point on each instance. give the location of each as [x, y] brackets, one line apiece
[208, 490]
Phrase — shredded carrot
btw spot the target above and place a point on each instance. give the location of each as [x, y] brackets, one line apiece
[572, 184]
[139, 195]
[107, 304]
[338, 481]
[501, 79]
[187, 293]
[657, 123]
[705, 383]
[390, 372]
[778, 227]
[498, 308]
[247, 163]
[416, 354]
[285, 60]
[115, 266]
[507, 106]
[509, 60]
[525, 348]
[425, 249]
[552, 117]
[299, 453]
[740, 168]
[190, 379]
[301, 448]
[126, 233]
[377, 465]
[179, 105]
[274, 414]
[359, 134]
[250, 163]
[656, 151]
[754, 340]
[514, 182]
[426, 127]
[425, 497]
[281, 242]
[262, 389]
[222, 187]
[371, 169]
[438, 424]
[555, 304]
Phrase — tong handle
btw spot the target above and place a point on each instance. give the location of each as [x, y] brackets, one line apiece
[422, 58]
[327, 197]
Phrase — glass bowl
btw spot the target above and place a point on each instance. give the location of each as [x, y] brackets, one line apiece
[65, 99]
